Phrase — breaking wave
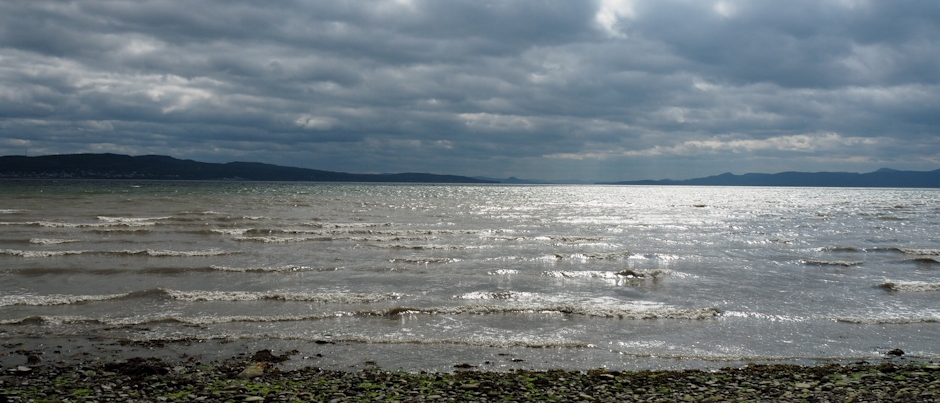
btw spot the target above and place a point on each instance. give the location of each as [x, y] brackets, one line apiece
[909, 286]
[497, 295]
[280, 239]
[193, 296]
[638, 274]
[131, 220]
[142, 252]
[429, 260]
[812, 262]
[887, 321]
[51, 241]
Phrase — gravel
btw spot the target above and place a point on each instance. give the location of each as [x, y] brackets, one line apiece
[156, 380]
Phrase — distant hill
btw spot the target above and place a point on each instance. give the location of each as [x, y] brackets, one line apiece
[115, 166]
[888, 178]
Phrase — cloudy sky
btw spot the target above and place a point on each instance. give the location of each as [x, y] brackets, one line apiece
[595, 90]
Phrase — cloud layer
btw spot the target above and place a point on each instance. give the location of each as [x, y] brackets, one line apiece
[607, 90]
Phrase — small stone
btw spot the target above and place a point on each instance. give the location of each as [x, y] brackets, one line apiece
[254, 399]
[469, 386]
[23, 369]
[586, 396]
[802, 385]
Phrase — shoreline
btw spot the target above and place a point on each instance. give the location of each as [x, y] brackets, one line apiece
[261, 377]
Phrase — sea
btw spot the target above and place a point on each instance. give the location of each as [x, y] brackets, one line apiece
[432, 277]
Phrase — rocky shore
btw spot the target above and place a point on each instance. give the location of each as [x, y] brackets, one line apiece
[257, 378]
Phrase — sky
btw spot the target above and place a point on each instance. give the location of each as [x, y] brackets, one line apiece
[602, 90]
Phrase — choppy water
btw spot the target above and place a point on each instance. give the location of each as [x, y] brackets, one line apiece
[418, 277]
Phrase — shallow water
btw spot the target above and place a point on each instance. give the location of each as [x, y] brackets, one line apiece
[422, 276]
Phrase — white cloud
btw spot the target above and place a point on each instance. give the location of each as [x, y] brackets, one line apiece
[314, 122]
[611, 12]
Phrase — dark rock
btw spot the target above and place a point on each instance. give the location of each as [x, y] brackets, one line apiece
[33, 359]
[268, 356]
[895, 353]
[139, 367]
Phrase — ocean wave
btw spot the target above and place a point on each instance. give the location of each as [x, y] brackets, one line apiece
[194, 296]
[635, 313]
[909, 286]
[277, 239]
[638, 274]
[108, 219]
[10, 210]
[273, 269]
[591, 311]
[50, 320]
[427, 247]
[926, 260]
[921, 252]
[503, 272]
[231, 231]
[280, 296]
[56, 224]
[425, 261]
[839, 249]
[47, 300]
[763, 316]
[887, 321]
[142, 252]
[589, 256]
[51, 241]
[812, 262]
[497, 295]
[346, 225]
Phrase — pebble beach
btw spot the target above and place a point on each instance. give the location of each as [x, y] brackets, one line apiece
[257, 377]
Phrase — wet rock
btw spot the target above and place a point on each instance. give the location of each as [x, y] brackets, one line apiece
[139, 367]
[895, 353]
[268, 356]
[252, 371]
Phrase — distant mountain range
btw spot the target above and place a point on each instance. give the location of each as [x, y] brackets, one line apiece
[115, 166]
[888, 178]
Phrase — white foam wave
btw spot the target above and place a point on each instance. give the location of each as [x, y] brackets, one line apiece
[132, 220]
[846, 263]
[194, 296]
[428, 246]
[143, 252]
[51, 241]
[44, 300]
[497, 295]
[632, 312]
[275, 269]
[280, 296]
[39, 253]
[279, 239]
[425, 261]
[763, 316]
[233, 231]
[10, 211]
[589, 256]
[922, 252]
[909, 286]
[888, 320]
[503, 272]
[638, 274]
[609, 313]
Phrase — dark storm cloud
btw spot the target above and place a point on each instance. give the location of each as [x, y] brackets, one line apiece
[606, 90]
